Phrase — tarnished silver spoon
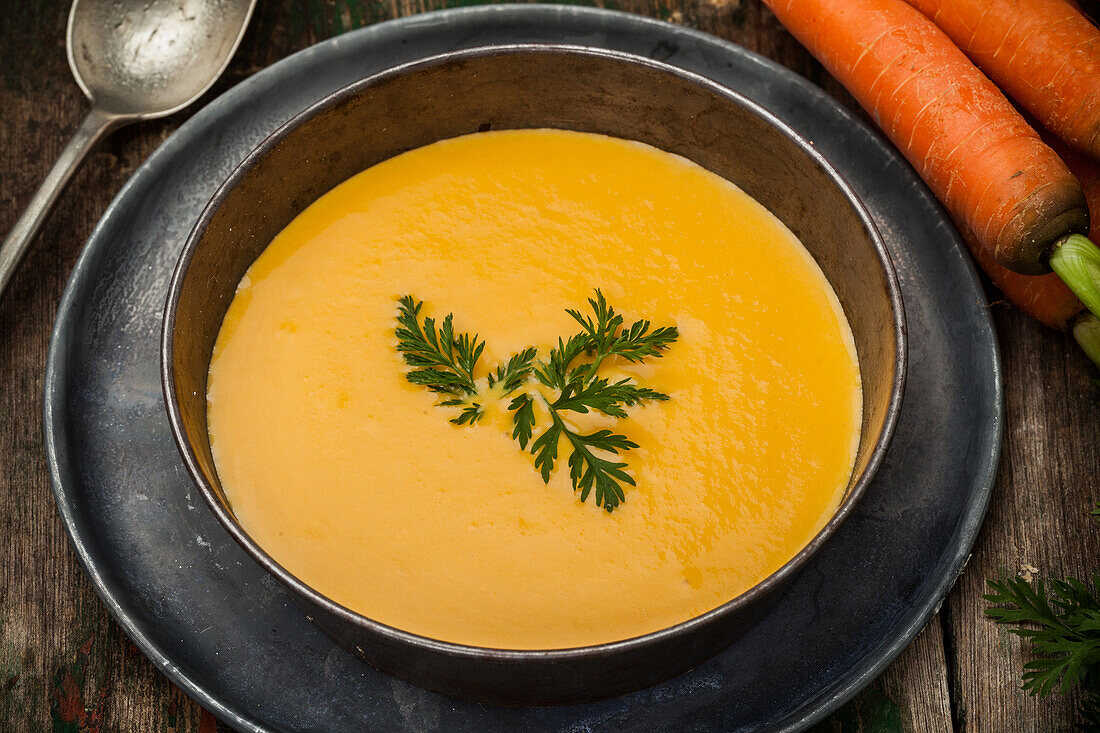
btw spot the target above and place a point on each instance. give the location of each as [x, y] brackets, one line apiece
[135, 60]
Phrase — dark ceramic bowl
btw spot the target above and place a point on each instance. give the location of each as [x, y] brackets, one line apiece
[531, 86]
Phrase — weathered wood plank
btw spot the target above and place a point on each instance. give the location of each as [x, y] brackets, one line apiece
[1038, 522]
[917, 682]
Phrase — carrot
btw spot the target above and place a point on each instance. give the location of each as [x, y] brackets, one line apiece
[1044, 53]
[971, 146]
[1045, 297]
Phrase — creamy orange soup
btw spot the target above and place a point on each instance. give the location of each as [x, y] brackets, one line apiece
[356, 482]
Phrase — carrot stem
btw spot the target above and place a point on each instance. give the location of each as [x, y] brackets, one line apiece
[1087, 333]
[1077, 262]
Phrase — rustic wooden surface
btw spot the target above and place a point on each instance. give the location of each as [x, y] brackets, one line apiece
[65, 666]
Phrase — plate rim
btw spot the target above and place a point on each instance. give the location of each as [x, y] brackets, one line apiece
[55, 379]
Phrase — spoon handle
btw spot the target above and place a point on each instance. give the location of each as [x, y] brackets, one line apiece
[15, 245]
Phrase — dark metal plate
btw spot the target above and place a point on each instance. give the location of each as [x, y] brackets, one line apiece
[227, 633]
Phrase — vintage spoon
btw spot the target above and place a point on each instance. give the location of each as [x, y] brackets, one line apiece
[135, 60]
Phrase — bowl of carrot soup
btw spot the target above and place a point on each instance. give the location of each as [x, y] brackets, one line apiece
[533, 372]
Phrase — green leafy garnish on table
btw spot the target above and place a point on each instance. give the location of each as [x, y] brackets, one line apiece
[567, 381]
[1062, 620]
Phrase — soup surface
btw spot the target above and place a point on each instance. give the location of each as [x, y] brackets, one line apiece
[356, 481]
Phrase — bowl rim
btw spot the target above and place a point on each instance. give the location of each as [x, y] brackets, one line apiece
[473, 652]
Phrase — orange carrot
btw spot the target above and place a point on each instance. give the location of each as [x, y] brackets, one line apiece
[1045, 297]
[971, 146]
[1044, 53]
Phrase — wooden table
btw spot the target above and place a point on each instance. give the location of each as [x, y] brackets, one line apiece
[66, 666]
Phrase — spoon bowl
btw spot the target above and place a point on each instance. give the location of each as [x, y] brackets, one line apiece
[150, 59]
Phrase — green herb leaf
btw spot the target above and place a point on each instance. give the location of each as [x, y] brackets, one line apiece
[523, 419]
[443, 361]
[512, 374]
[587, 469]
[605, 339]
[1062, 620]
[640, 343]
[471, 411]
[556, 373]
[604, 396]
[607, 320]
[545, 449]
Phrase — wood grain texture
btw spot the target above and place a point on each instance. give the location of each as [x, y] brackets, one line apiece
[1038, 523]
[66, 666]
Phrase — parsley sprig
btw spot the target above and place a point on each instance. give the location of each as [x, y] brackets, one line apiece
[444, 361]
[605, 336]
[572, 371]
[1062, 620]
[512, 374]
